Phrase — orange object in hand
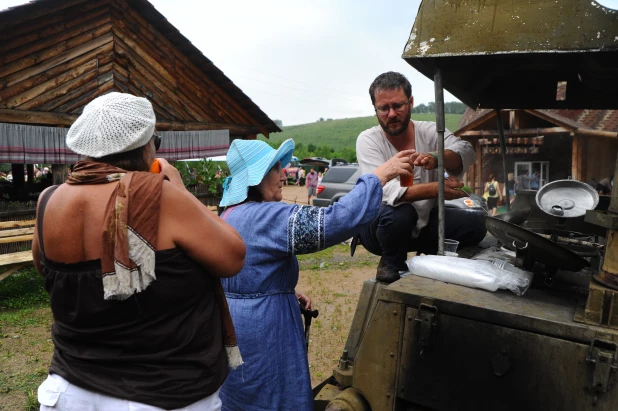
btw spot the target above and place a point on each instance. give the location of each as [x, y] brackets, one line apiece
[406, 181]
[155, 167]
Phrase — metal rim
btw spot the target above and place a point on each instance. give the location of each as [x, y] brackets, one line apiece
[561, 183]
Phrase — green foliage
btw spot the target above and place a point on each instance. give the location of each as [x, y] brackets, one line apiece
[206, 172]
[32, 402]
[20, 291]
[452, 107]
[337, 138]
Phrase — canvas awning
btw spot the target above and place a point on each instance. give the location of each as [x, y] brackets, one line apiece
[24, 144]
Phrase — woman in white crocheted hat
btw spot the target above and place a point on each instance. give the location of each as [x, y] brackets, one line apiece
[140, 317]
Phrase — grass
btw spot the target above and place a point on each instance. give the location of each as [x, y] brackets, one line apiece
[342, 133]
[25, 343]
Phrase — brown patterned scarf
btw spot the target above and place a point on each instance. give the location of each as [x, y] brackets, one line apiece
[130, 234]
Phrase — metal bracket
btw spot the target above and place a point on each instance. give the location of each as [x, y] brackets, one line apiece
[427, 321]
[603, 355]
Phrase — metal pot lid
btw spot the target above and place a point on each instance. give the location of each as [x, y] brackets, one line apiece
[567, 198]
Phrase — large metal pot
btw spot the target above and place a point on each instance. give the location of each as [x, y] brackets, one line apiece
[531, 247]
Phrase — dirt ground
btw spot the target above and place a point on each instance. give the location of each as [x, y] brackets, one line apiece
[331, 278]
[295, 195]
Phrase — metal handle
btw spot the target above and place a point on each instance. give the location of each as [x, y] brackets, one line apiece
[520, 248]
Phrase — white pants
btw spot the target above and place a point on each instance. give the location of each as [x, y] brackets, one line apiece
[57, 394]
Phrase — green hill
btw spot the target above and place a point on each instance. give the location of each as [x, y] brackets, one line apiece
[342, 134]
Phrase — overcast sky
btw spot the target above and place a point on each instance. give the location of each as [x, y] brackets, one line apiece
[302, 60]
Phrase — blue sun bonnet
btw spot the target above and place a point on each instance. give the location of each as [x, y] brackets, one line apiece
[249, 161]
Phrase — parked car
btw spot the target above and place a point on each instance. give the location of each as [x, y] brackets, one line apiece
[340, 180]
[337, 182]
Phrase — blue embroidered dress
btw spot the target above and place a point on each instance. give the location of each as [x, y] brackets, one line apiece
[267, 320]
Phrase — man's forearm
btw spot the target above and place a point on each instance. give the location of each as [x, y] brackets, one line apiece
[418, 192]
[452, 161]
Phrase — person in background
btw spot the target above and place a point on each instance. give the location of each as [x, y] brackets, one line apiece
[320, 175]
[492, 190]
[511, 187]
[604, 187]
[285, 173]
[140, 318]
[535, 180]
[312, 185]
[262, 298]
[408, 218]
[523, 181]
[301, 177]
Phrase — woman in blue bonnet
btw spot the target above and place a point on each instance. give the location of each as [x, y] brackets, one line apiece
[262, 297]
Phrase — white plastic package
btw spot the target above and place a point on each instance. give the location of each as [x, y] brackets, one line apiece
[483, 274]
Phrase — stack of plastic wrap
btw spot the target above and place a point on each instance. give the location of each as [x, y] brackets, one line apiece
[487, 275]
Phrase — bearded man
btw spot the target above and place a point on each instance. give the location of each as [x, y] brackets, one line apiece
[408, 217]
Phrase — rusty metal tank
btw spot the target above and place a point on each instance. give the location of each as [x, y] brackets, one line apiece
[421, 344]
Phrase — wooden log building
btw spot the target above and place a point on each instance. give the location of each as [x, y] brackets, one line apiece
[559, 143]
[58, 55]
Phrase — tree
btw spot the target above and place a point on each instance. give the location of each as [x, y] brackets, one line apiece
[279, 123]
[311, 148]
[421, 108]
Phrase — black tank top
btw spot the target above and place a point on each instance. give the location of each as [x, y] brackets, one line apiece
[162, 347]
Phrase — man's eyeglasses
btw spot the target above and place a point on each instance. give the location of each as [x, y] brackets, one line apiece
[157, 141]
[398, 107]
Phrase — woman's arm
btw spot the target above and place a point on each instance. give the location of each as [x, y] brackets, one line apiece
[205, 238]
[313, 228]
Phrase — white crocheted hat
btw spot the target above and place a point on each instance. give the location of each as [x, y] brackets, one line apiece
[111, 124]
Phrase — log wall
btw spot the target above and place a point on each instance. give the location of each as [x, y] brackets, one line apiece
[57, 56]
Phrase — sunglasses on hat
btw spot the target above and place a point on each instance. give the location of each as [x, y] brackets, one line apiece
[157, 141]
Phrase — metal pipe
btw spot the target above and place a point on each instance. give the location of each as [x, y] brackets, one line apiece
[503, 149]
[440, 127]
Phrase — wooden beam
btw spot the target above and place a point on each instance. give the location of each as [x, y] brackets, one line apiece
[16, 224]
[36, 117]
[16, 232]
[51, 84]
[13, 268]
[198, 106]
[94, 38]
[41, 99]
[516, 133]
[101, 55]
[16, 239]
[30, 12]
[60, 63]
[596, 133]
[488, 116]
[86, 24]
[195, 125]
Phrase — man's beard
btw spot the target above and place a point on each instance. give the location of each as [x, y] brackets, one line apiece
[395, 131]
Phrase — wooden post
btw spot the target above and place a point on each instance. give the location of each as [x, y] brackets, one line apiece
[479, 168]
[60, 173]
[18, 178]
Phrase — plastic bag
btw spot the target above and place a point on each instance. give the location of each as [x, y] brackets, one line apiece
[471, 273]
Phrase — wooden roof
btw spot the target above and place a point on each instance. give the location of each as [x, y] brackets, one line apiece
[58, 55]
[591, 122]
